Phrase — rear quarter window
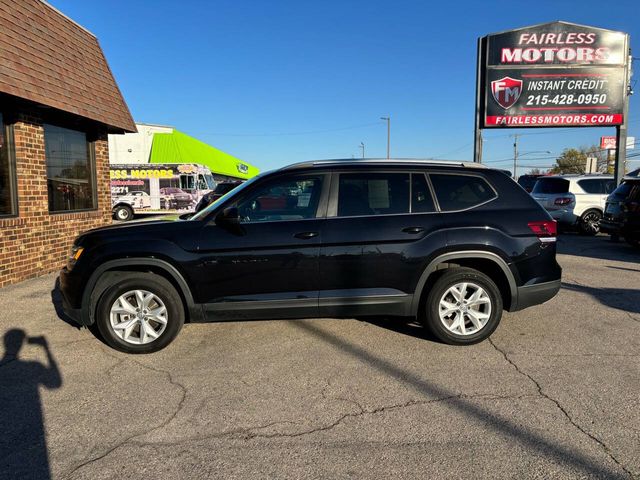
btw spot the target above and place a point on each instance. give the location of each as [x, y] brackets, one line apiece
[460, 192]
[551, 185]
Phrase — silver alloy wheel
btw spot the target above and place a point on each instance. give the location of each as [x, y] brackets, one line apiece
[591, 222]
[465, 308]
[138, 317]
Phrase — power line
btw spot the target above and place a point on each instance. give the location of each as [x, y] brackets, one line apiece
[282, 134]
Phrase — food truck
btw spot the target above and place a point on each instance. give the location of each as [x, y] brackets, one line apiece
[157, 188]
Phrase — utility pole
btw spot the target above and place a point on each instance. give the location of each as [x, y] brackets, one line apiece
[515, 157]
[388, 120]
[362, 147]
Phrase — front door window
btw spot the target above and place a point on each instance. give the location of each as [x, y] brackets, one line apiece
[289, 198]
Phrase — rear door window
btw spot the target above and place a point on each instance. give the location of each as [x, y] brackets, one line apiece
[551, 185]
[373, 194]
[460, 192]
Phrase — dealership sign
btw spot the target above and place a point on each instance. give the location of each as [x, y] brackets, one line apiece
[552, 75]
[609, 142]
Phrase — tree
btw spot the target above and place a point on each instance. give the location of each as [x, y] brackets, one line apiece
[572, 160]
[535, 171]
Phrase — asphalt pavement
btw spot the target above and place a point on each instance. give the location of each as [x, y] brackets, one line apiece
[553, 394]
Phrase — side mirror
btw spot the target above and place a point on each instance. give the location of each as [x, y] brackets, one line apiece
[228, 217]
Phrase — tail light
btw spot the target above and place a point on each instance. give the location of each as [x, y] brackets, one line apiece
[632, 207]
[563, 201]
[545, 230]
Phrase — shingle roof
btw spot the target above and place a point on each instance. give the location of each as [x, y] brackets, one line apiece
[47, 58]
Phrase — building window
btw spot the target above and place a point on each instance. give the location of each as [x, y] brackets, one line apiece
[7, 173]
[70, 170]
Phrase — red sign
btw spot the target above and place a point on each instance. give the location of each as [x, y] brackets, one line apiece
[564, 119]
[608, 143]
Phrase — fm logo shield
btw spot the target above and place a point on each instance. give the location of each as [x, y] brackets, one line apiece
[506, 91]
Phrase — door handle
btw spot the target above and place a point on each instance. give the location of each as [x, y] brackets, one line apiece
[413, 230]
[306, 235]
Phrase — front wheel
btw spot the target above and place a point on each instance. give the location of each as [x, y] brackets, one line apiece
[590, 222]
[123, 213]
[463, 307]
[141, 313]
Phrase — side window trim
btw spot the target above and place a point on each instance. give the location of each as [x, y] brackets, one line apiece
[465, 174]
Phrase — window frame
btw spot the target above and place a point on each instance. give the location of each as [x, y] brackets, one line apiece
[91, 154]
[462, 174]
[321, 210]
[11, 166]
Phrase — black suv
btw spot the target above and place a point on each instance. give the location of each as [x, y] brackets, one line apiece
[450, 244]
[622, 212]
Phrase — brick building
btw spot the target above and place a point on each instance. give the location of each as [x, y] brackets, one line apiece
[58, 103]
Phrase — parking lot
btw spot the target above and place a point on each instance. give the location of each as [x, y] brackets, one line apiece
[554, 394]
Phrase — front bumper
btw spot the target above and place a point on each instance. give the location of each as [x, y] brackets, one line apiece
[610, 227]
[69, 288]
[530, 295]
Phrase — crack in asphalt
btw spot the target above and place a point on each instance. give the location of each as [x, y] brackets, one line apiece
[179, 407]
[542, 394]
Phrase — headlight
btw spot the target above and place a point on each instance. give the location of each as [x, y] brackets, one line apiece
[74, 255]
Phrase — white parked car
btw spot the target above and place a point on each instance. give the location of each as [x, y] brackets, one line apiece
[575, 200]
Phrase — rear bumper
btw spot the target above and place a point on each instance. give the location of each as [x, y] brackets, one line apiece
[565, 217]
[530, 295]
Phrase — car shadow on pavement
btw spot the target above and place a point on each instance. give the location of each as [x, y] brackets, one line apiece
[597, 247]
[626, 299]
[56, 300]
[23, 445]
[465, 406]
[409, 327]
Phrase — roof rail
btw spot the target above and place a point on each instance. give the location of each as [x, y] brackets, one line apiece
[378, 161]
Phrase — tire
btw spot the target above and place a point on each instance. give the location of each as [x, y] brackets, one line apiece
[133, 340]
[590, 222]
[123, 213]
[473, 333]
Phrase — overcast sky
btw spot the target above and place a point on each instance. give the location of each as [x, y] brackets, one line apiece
[274, 82]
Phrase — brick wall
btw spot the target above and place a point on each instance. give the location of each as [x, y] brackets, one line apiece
[36, 242]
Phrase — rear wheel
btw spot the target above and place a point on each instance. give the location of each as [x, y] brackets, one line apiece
[463, 307]
[590, 222]
[123, 213]
[141, 313]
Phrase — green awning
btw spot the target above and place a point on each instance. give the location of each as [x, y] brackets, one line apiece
[177, 147]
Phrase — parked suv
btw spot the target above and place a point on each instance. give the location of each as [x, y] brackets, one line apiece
[575, 200]
[622, 212]
[451, 244]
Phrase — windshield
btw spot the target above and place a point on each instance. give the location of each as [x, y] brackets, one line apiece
[204, 213]
[551, 185]
[624, 188]
[211, 184]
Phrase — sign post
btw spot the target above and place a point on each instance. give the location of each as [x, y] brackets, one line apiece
[555, 74]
